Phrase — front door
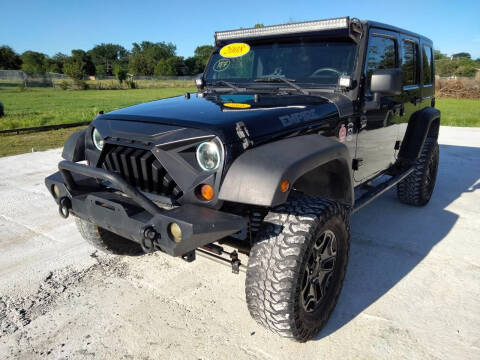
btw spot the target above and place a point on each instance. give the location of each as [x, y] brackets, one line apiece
[378, 129]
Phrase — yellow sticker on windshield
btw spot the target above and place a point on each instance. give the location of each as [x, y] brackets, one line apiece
[234, 50]
[237, 105]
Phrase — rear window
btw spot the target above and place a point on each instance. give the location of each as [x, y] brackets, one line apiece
[427, 65]
[409, 63]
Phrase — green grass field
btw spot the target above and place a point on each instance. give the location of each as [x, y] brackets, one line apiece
[20, 144]
[459, 112]
[44, 106]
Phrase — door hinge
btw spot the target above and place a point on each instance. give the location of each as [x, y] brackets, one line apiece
[397, 144]
[243, 134]
[356, 163]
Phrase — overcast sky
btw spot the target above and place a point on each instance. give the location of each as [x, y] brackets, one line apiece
[52, 26]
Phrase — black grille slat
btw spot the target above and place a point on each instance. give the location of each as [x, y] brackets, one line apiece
[126, 166]
[108, 162]
[136, 169]
[146, 165]
[168, 183]
[158, 173]
[155, 176]
[141, 169]
[116, 161]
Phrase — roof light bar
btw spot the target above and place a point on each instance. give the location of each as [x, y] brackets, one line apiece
[293, 28]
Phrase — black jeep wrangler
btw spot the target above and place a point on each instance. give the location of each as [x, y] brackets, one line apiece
[294, 128]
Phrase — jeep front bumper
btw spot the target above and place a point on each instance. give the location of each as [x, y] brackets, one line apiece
[127, 212]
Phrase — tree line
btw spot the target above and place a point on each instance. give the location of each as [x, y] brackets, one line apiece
[144, 59]
[459, 64]
[159, 58]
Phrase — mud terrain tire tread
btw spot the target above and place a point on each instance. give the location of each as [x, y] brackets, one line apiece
[414, 189]
[277, 260]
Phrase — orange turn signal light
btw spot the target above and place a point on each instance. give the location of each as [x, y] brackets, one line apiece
[284, 186]
[206, 192]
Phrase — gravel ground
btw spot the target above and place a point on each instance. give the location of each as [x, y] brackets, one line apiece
[412, 288]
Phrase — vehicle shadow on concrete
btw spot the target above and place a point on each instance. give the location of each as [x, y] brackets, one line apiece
[389, 238]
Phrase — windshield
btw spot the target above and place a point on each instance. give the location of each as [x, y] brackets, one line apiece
[315, 63]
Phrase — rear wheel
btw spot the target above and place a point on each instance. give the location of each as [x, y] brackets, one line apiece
[105, 240]
[297, 267]
[418, 187]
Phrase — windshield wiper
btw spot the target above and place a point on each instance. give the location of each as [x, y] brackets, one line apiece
[284, 80]
[228, 84]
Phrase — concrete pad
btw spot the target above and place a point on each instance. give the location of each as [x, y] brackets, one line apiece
[412, 288]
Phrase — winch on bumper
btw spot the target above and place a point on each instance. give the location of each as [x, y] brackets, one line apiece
[124, 210]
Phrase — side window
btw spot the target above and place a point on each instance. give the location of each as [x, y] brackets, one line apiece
[381, 54]
[409, 63]
[427, 65]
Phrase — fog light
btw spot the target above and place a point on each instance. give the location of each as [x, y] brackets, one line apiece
[175, 232]
[55, 191]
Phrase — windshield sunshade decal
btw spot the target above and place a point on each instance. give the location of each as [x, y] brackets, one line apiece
[234, 50]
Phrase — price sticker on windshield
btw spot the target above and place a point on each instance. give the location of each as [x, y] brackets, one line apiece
[234, 50]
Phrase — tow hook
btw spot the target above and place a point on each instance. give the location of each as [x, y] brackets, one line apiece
[64, 206]
[150, 237]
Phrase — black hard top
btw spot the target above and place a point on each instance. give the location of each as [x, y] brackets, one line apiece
[380, 25]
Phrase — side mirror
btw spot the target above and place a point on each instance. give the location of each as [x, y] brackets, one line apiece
[387, 82]
[384, 82]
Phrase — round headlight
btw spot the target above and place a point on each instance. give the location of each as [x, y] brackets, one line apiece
[97, 139]
[208, 156]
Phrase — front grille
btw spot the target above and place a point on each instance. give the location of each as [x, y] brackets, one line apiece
[140, 168]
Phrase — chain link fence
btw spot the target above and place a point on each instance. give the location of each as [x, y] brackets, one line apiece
[18, 77]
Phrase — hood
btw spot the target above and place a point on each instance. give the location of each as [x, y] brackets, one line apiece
[219, 114]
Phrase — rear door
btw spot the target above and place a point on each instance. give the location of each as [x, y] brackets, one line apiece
[427, 74]
[412, 96]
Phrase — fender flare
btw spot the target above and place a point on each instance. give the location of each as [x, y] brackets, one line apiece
[74, 148]
[255, 176]
[419, 127]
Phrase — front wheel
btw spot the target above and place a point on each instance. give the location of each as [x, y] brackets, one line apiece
[297, 267]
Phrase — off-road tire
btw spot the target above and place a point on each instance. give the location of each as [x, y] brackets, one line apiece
[278, 261]
[107, 241]
[418, 187]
